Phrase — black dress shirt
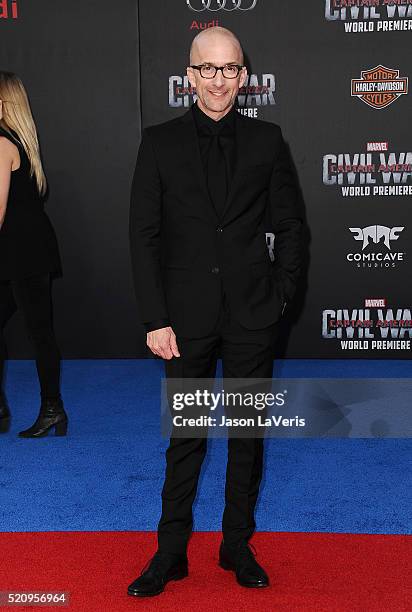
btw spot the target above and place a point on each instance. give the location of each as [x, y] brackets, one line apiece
[219, 183]
[206, 127]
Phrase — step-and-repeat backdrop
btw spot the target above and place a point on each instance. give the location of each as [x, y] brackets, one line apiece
[333, 73]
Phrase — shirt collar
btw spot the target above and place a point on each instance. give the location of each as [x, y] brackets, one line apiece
[203, 120]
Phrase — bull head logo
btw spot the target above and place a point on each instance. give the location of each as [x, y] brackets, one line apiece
[375, 233]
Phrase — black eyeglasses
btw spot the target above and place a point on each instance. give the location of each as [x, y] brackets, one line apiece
[229, 71]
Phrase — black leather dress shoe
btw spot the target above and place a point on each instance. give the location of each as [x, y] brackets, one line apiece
[162, 568]
[242, 561]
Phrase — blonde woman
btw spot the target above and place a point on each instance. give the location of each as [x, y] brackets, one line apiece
[29, 254]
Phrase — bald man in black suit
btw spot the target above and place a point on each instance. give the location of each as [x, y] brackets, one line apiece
[203, 188]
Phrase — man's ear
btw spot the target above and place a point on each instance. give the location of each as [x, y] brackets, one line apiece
[243, 77]
[191, 76]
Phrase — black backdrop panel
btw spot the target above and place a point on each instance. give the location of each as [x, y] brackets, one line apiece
[79, 63]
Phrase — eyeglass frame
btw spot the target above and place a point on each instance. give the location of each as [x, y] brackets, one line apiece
[200, 66]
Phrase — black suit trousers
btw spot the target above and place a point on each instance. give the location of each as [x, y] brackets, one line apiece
[245, 353]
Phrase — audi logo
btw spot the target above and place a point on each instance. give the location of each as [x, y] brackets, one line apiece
[221, 5]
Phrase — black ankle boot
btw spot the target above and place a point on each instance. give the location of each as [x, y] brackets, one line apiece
[51, 414]
[4, 414]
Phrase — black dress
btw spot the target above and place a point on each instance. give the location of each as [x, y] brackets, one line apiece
[28, 244]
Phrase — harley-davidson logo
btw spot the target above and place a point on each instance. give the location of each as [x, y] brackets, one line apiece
[379, 86]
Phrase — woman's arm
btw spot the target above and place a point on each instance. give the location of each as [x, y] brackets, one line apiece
[6, 161]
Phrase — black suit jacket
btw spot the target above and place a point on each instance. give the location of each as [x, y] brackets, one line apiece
[183, 254]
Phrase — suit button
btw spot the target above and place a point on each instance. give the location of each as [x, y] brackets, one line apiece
[215, 270]
[219, 229]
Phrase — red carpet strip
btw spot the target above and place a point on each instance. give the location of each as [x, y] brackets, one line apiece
[309, 572]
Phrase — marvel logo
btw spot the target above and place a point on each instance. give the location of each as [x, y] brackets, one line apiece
[375, 303]
[377, 146]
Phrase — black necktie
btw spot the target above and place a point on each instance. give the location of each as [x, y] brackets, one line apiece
[218, 169]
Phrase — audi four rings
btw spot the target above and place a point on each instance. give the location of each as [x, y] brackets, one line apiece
[220, 5]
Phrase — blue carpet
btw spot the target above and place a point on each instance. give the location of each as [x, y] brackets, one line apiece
[107, 473]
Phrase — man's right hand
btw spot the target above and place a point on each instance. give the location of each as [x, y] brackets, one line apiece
[162, 342]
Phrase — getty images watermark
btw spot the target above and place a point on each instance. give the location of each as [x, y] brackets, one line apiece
[268, 407]
[240, 400]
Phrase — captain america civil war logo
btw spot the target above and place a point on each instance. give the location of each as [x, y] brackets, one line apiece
[9, 9]
[373, 326]
[376, 172]
[257, 92]
[365, 16]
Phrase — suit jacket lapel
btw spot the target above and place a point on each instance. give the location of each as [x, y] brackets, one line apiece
[191, 151]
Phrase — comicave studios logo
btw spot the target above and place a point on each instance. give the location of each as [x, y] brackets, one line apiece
[221, 5]
[8, 9]
[370, 15]
[259, 90]
[378, 172]
[373, 326]
[378, 87]
[375, 258]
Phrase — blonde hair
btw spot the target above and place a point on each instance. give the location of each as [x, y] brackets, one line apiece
[17, 116]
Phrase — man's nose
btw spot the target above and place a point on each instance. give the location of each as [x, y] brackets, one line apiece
[219, 79]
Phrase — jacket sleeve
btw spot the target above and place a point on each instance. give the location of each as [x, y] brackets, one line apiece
[144, 233]
[158, 324]
[287, 220]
